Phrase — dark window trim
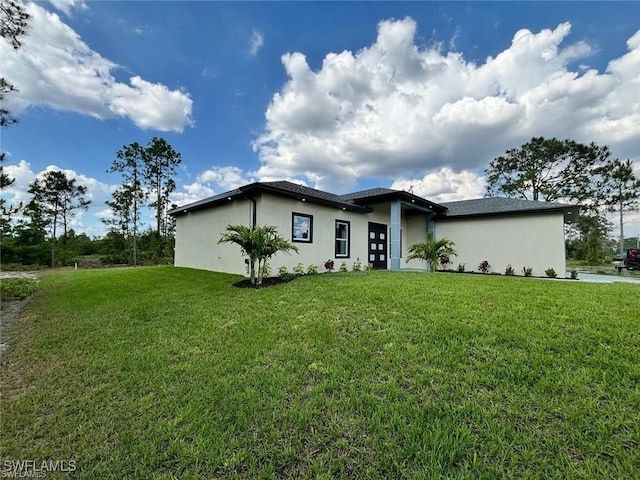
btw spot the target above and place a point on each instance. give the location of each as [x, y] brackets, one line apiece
[301, 240]
[348, 223]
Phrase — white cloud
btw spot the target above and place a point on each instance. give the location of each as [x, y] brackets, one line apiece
[445, 185]
[255, 42]
[395, 110]
[213, 180]
[67, 6]
[55, 68]
[192, 193]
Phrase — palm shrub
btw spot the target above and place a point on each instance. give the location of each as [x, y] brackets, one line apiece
[432, 251]
[259, 243]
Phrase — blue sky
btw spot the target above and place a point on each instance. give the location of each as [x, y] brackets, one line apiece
[337, 95]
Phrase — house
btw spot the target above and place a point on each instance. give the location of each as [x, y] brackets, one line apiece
[375, 226]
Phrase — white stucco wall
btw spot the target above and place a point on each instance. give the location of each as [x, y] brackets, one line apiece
[533, 240]
[198, 232]
[275, 210]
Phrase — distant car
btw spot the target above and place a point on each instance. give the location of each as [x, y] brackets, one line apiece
[630, 260]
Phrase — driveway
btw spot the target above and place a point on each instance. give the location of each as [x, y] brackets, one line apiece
[592, 277]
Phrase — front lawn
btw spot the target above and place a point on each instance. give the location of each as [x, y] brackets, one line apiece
[165, 372]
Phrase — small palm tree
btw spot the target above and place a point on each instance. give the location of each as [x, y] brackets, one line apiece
[259, 244]
[432, 251]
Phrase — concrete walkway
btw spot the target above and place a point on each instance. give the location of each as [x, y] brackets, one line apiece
[592, 277]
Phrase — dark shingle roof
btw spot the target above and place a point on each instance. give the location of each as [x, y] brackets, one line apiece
[372, 192]
[282, 188]
[504, 206]
[361, 201]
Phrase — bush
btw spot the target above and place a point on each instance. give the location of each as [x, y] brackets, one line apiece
[484, 266]
[367, 267]
[550, 272]
[509, 271]
[312, 269]
[17, 288]
[343, 267]
[574, 274]
[282, 271]
[527, 271]
[90, 262]
[461, 267]
[357, 266]
[329, 265]
[298, 269]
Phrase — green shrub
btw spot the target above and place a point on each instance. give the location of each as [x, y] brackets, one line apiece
[283, 270]
[357, 266]
[509, 271]
[550, 272]
[298, 269]
[461, 267]
[312, 269]
[527, 271]
[367, 267]
[343, 267]
[17, 288]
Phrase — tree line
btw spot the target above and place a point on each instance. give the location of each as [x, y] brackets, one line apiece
[42, 226]
[566, 171]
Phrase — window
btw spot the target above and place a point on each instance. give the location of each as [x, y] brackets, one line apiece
[302, 227]
[342, 238]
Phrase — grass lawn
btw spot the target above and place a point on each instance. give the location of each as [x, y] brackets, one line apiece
[165, 372]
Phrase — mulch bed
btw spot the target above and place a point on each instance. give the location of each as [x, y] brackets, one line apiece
[266, 282]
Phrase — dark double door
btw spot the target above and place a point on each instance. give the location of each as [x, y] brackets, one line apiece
[377, 246]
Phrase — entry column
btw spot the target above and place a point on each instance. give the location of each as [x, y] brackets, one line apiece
[395, 235]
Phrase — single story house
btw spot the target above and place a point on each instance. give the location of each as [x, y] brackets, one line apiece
[375, 226]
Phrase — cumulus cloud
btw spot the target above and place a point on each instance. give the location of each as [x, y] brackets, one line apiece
[255, 42]
[214, 180]
[445, 185]
[67, 6]
[55, 68]
[395, 110]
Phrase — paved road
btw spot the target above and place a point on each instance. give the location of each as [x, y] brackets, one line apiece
[591, 277]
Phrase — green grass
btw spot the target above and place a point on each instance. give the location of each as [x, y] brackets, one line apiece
[17, 288]
[173, 373]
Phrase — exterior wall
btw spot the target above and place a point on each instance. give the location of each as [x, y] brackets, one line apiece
[414, 231]
[275, 210]
[198, 232]
[533, 240]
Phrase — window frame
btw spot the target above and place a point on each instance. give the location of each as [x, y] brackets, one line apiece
[347, 240]
[293, 227]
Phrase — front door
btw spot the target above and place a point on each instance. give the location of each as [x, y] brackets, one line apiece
[378, 245]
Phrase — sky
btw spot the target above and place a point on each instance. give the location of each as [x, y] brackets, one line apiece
[340, 96]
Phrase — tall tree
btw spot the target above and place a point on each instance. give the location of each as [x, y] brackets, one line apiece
[160, 162]
[13, 25]
[6, 211]
[621, 189]
[56, 201]
[129, 198]
[547, 169]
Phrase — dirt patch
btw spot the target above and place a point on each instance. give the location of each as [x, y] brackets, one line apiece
[10, 311]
